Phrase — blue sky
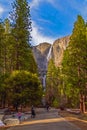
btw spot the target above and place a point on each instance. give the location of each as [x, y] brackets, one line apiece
[51, 19]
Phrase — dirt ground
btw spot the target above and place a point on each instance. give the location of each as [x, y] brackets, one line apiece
[78, 119]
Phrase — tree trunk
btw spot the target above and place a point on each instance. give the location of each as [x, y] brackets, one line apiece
[82, 103]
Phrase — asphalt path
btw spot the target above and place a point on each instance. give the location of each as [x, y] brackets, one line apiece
[46, 121]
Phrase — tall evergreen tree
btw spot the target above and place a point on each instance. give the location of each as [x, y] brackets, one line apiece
[6, 47]
[21, 22]
[52, 82]
[1, 45]
[74, 61]
[6, 44]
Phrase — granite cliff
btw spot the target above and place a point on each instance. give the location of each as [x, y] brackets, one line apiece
[44, 51]
[40, 54]
[58, 49]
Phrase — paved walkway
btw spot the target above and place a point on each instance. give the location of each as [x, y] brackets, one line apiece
[46, 121]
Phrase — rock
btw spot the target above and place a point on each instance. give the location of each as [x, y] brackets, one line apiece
[74, 111]
[11, 121]
[1, 116]
[1, 123]
[58, 49]
[40, 53]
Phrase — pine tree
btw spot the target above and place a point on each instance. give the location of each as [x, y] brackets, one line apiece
[6, 44]
[21, 23]
[6, 47]
[1, 44]
[52, 82]
[74, 61]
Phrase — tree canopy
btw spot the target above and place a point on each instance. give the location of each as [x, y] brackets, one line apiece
[16, 56]
[75, 61]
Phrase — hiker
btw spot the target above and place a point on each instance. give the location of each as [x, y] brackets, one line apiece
[47, 107]
[19, 115]
[33, 114]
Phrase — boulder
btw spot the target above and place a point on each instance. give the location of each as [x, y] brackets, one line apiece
[1, 123]
[11, 121]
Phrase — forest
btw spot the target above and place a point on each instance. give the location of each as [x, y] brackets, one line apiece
[19, 81]
[66, 86]
[68, 83]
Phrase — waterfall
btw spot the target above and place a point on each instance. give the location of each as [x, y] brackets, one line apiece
[44, 81]
[49, 54]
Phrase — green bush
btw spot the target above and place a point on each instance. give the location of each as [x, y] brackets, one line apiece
[55, 103]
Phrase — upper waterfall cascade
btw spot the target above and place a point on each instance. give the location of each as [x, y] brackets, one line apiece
[49, 53]
[44, 81]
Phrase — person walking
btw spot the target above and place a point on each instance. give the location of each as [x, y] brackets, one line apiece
[19, 114]
[33, 114]
[47, 107]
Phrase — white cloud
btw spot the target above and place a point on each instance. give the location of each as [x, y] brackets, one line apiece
[38, 37]
[1, 10]
[35, 3]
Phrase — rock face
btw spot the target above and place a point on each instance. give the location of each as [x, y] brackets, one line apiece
[44, 51]
[40, 53]
[58, 49]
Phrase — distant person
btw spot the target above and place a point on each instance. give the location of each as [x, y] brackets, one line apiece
[19, 115]
[47, 107]
[33, 114]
